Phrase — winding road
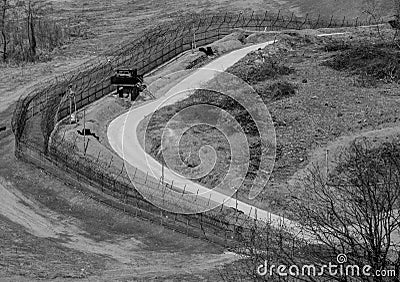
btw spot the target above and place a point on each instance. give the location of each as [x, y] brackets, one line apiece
[122, 135]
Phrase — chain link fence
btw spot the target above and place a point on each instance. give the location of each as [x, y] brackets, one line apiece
[38, 112]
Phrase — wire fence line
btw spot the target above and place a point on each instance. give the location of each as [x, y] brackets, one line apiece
[113, 176]
[221, 226]
[37, 113]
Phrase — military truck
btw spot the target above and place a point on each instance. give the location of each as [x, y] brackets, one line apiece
[128, 82]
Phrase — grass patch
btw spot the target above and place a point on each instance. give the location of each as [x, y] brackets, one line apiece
[375, 62]
[259, 66]
[264, 70]
[198, 136]
[275, 90]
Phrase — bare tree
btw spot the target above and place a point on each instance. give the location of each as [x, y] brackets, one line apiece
[31, 30]
[354, 210]
[395, 22]
[265, 247]
[26, 29]
[4, 8]
[34, 9]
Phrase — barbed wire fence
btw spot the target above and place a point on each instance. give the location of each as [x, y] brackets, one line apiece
[38, 112]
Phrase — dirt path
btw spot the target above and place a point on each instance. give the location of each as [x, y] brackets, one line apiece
[42, 222]
[128, 255]
[16, 81]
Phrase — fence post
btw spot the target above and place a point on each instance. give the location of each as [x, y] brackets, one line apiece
[290, 21]
[265, 18]
[164, 188]
[277, 18]
[97, 160]
[305, 21]
[193, 38]
[330, 22]
[225, 239]
[316, 24]
[125, 196]
[109, 164]
[134, 173]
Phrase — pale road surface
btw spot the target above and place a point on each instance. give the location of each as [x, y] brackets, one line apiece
[135, 155]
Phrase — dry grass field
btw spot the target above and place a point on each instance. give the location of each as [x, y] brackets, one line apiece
[49, 231]
[321, 93]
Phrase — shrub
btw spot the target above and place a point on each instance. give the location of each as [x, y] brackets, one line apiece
[276, 90]
[379, 62]
[258, 67]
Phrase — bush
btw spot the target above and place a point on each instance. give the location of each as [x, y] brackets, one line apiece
[259, 66]
[276, 90]
[336, 45]
[377, 62]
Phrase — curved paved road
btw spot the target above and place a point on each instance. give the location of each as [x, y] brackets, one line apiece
[135, 155]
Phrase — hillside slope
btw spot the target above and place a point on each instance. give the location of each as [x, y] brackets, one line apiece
[343, 8]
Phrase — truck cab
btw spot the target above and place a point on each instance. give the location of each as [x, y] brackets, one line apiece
[126, 77]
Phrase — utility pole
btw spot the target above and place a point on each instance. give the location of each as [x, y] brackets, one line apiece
[236, 199]
[194, 39]
[327, 167]
[71, 96]
[162, 165]
[84, 131]
[162, 170]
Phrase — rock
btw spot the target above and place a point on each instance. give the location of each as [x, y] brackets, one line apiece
[280, 123]
[339, 114]
[394, 23]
